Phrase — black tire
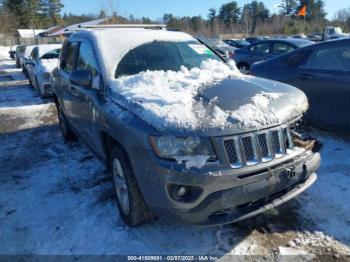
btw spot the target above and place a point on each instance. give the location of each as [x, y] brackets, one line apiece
[42, 95]
[138, 212]
[243, 67]
[66, 131]
[30, 83]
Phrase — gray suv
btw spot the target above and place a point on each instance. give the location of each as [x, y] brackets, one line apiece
[185, 136]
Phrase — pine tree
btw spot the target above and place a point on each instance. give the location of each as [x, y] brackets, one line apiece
[315, 8]
[229, 13]
[255, 11]
[18, 9]
[288, 7]
[54, 13]
[212, 16]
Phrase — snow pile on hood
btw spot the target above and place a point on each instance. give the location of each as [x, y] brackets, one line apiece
[4, 53]
[49, 64]
[170, 99]
[260, 112]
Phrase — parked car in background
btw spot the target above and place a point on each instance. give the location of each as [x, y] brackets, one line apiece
[220, 47]
[315, 37]
[331, 32]
[26, 58]
[254, 39]
[171, 121]
[264, 50]
[322, 71]
[19, 55]
[237, 43]
[43, 60]
[300, 36]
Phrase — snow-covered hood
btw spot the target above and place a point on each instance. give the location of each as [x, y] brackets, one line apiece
[212, 100]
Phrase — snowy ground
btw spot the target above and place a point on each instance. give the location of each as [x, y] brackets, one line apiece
[56, 198]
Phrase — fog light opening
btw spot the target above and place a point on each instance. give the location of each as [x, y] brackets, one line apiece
[182, 191]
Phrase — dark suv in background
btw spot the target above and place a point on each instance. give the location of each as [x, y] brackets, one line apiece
[322, 71]
[264, 50]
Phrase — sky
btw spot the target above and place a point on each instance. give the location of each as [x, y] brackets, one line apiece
[156, 8]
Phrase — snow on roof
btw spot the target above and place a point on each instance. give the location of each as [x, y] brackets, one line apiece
[43, 49]
[29, 33]
[116, 43]
[73, 28]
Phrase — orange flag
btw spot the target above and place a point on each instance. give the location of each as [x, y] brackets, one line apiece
[303, 11]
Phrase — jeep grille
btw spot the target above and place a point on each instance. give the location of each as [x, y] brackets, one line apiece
[260, 147]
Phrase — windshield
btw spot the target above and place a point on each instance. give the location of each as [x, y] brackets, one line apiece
[54, 54]
[338, 30]
[160, 55]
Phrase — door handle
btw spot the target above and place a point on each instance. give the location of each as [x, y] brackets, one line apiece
[306, 77]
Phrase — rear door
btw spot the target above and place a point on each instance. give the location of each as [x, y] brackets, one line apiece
[325, 79]
[67, 65]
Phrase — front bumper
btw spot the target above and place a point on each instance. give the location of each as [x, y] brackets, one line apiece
[228, 198]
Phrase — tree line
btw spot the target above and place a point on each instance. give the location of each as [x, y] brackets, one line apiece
[254, 17]
[31, 13]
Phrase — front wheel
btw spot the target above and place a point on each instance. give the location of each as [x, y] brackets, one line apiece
[132, 207]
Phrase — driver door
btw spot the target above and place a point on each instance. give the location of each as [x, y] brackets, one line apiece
[88, 99]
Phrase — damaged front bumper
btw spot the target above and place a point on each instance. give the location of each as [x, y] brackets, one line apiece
[264, 190]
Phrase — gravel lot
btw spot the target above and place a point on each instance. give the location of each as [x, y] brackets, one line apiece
[56, 198]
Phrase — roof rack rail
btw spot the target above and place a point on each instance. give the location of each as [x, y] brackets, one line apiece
[145, 26]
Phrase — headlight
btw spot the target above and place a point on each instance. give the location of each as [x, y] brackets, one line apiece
[171, 147]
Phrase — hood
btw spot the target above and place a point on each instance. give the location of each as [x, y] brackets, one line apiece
[255, 103]
[48, 65]
[212, 100]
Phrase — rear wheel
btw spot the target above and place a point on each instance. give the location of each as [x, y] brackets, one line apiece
[64, 125]
[41, 88]
[243, 67]
[132, 207]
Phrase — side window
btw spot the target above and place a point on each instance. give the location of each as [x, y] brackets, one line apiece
[34, 54]
[87, 59]
[54, 54]
[298, 58]
[335, 59]
[69, 61]
[260, 48]
[281, 48]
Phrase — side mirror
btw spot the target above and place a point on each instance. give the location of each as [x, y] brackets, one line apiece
[81, 78]
[31, 63]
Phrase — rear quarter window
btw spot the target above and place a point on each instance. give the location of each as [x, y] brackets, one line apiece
[298, 58]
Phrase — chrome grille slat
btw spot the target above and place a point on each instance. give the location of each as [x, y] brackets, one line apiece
[259, 147]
